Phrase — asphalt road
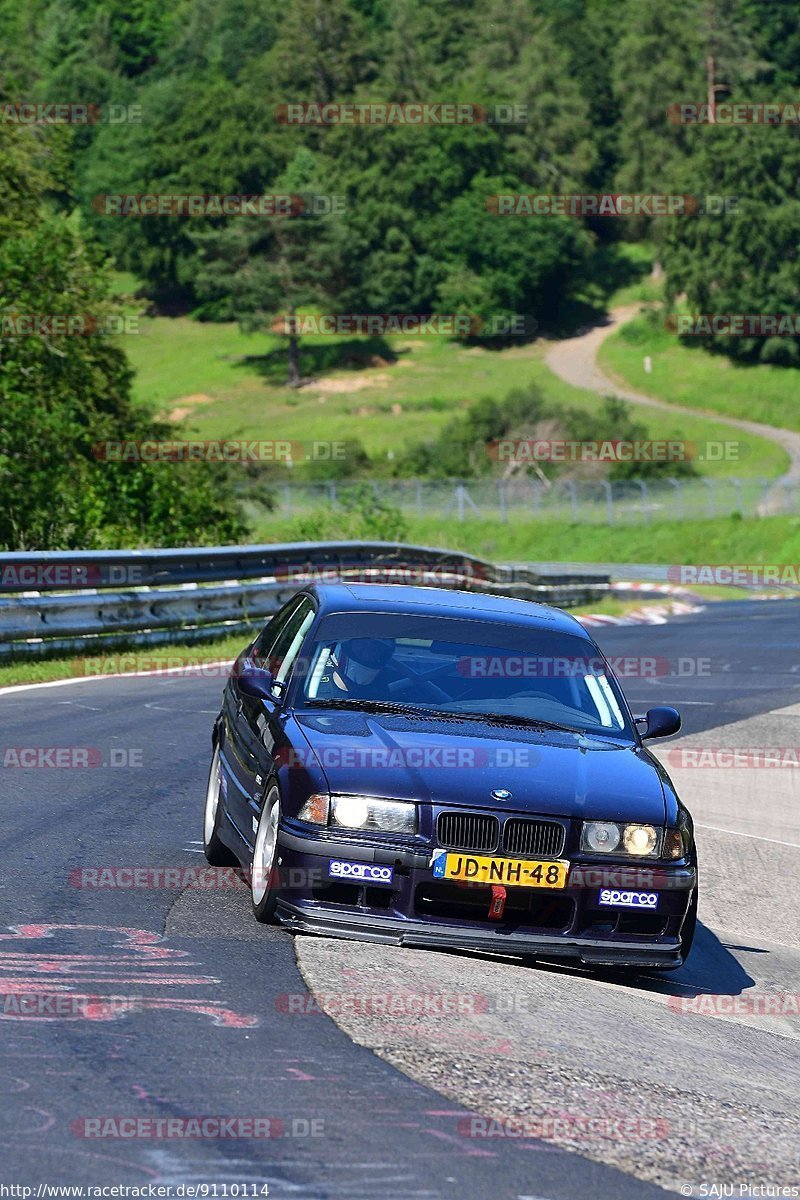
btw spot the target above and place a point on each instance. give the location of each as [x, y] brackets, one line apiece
[162, 1003]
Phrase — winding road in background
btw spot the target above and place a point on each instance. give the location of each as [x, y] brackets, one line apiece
[574, 360]
[377, 1106]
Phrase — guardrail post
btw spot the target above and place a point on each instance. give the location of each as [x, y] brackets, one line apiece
[501, 496]
[609, 502]
[460, 501]
[710, 503]
[679, 496]
[573, 499]
[647, 516]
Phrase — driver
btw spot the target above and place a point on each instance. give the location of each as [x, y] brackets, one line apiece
[360, 671]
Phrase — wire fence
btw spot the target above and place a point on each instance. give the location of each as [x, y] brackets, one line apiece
[599, 502]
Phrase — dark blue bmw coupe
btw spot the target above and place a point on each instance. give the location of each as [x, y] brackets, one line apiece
[436, 768]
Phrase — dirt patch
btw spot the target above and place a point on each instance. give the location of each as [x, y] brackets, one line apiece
[187, 404]
[343, 386]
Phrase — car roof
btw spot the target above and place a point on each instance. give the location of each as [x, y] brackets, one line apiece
[442, 602]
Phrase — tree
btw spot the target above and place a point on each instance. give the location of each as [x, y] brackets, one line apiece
[269, 268]
[62, 395]
[742, 260]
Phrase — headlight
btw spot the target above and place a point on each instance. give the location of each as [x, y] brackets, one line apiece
[600, 836]
[607, 837]
[640, 839]
[382, 816]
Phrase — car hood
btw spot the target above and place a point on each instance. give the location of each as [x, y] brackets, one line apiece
[460, 763]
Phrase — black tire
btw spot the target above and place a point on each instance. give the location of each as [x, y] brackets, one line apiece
[216, 852]
[687, 932]
[689, 927]
[263, 890]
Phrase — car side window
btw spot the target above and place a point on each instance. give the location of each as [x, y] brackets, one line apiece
[299, 626]
[284, 649]
[269, 635]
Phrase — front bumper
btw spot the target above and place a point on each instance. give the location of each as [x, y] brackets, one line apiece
[419, 910]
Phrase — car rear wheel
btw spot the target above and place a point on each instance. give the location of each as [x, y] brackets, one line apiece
[216, 852]
[263, 891]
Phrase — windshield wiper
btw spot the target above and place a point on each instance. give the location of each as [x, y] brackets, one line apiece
[379, 706]
[416, 710]
[530, 722]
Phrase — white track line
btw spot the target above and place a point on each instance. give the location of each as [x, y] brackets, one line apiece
[755, 837]
[196, 668]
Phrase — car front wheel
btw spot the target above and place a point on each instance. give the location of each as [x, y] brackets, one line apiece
[263, 875]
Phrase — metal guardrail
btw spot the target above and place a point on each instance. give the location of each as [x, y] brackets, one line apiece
[72, 602]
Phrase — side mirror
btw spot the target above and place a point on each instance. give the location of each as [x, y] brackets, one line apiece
[661, 721]
[256, 682]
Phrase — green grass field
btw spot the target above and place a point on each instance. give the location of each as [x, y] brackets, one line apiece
[721, 540]
[209, 377]
[689, 376]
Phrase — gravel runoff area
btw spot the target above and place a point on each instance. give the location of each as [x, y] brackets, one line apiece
[651, 1074]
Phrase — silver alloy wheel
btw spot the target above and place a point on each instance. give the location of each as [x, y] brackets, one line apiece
[266, 844]
[212, 798]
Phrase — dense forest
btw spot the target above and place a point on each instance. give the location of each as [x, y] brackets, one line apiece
[191, 98]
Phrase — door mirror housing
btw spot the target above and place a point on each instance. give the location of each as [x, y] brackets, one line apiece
[257, 682]
[661, 721]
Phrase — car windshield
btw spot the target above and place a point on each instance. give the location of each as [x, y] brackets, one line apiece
[468, 668]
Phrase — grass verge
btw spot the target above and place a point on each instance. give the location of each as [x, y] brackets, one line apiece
[217, 382]
[689, 376]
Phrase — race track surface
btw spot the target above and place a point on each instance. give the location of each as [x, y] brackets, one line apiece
[165, 1002]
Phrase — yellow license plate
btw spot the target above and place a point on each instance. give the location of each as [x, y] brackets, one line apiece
[511, 872]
